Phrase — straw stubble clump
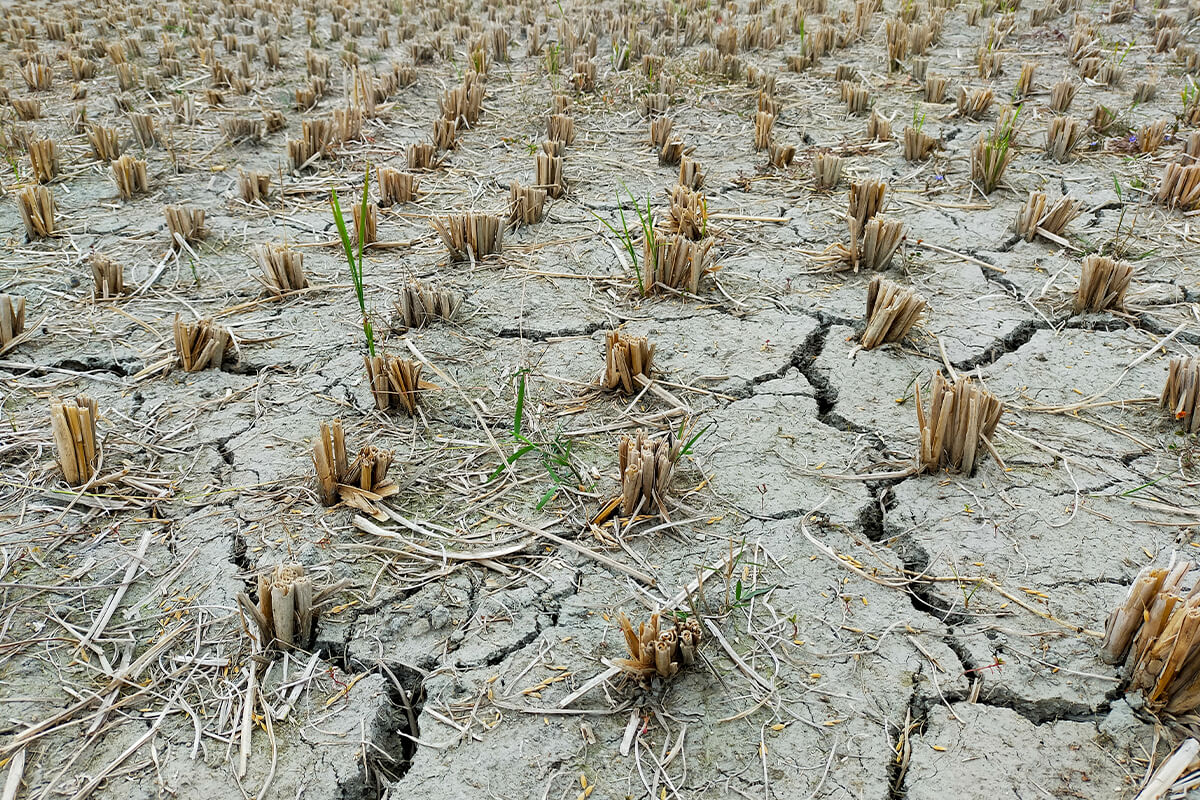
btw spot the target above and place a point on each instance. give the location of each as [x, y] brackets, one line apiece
[358, 483]
[418, 304]
[395, 383]
[626, 359]
[674, 262]
[73, 424]
[470, 236]
[1034, 218]
[526, 204]
[960, 422]
[1103, 283]
[254, 186]
[130, 175]
[656, 651]
[36, 204]
[108, 277]
[396, 186]
[1181, 393]
[43, 160]
[12, 321]
[285, 616]
[1179, 187]
[646, 464]
[1155, 634]
[201, 344]
[892, 310]
[184, 225]
[282, 268]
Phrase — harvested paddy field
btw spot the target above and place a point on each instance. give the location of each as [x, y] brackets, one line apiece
[763, 399]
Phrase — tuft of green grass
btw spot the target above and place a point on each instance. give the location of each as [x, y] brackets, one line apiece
[993, 153]
[918, 118]
[355, 258]
[626, 234]
[553, 455]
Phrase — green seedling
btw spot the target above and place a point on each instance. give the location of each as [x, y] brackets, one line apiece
[626, 237]
[1146, 485]
[918, 118]
[355, 257]
[553, 455]
[683, 431]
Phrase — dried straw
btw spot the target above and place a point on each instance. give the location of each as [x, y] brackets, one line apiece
[418, 304]
[892, 310]
[961, 416]
[200, 344]
[36, 204]
[625, 358]
[655, 652]
[73, 424]
[282, 268]
[1103, 283]
[108, 277]
[470, 236]
[395, 382]
[1181, 393]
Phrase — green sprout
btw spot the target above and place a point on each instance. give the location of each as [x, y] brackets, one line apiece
[554, 455]
[355, 258]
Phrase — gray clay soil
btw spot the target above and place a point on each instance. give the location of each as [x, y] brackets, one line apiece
[924, 636]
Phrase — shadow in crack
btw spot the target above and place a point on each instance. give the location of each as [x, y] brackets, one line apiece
[392, 734]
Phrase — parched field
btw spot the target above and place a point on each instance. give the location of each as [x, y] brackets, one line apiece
[612, 287]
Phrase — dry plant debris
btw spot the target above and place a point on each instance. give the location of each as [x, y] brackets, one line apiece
[201, 344]
[1155, 634]
[962, 417]
[74, 427]
[626, 358]
[1179, 187]
[12, 321]
[282, 268]
[184, 225]
[687, 213]
[646, 464]
[470, 236]
[395, 383]
[827, 170]
[656, 651]
[108, 277]
[1063, 135]
[418, 304]
[129, 173]
[254, 186]
[892, 310]
[285, 616]
[395, 186]
[549, 174]
[1103, 283]
[43, 160]
[1034, 218]
[674, 262]
[368, 232]
[36, 204]
[526, 204]
[359, 483]
[1181, 392]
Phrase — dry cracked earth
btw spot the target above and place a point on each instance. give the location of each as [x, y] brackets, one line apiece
[869, 633]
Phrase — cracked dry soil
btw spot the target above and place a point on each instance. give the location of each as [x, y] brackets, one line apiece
[900, 637]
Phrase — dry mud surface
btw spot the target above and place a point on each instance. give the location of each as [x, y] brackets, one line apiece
[920, 636]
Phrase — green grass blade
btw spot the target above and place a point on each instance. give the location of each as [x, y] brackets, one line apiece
[519, 413]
